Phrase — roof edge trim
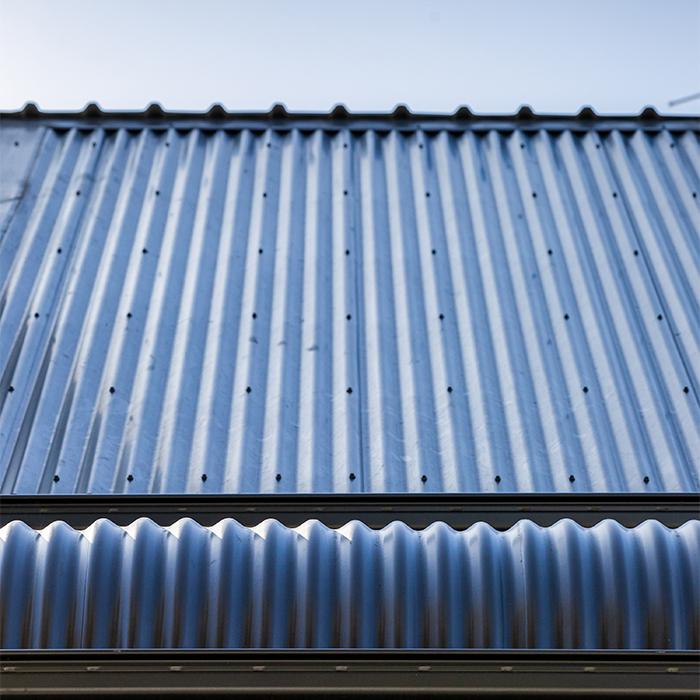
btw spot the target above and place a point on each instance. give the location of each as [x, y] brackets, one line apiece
[218, 115]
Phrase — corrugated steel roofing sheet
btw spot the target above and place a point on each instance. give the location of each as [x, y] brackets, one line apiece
[230, 586]
[477, 306]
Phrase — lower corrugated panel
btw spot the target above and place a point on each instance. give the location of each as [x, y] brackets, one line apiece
[269, 586]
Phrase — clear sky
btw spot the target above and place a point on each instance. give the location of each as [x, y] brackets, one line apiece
[493, 55]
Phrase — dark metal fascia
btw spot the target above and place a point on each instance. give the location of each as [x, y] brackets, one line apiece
[460, 511]
[373, 672]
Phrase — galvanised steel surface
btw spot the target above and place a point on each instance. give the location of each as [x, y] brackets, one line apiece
[397, 305]
[228, 586]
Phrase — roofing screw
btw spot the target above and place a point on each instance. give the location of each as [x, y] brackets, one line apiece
[566, 317]
[204, 477]
[348, 317]
[695, 195]
[112, 390]
[615, 195]
[347, 252]
[549, 252]
[685, 390]
[130, 477]
[268, 144]
[534, 194]
[345, 192]
[77, 193]
[144, 251]
[349, 390]
[424, 478]
[278, 477]
[427, 194]
[59, 250]
[16, 143]
[659, 318]
[498, 479]
[10, 389]
[585, 389]
[345, 145]
[352, 476]
[442, 317]
[264, 194]
[572, 478]
[636, 252]
[36, 315]
[522, 145]
[248, 390]
[260, 251]
[56, 478]
[128, 314]
[597, 145]
[433, 251]
[449, 389]
[157, 193]
[254, 315]
[646, 479]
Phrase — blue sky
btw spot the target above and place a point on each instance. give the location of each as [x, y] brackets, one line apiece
[616, 55]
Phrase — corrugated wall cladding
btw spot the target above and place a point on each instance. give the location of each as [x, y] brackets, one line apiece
[269, 586]
[381, 310]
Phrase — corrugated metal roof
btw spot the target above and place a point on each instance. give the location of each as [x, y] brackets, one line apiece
[496, 307]
[312, 587]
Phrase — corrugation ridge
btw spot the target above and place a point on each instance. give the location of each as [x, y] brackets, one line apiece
[384, 460]
[31, 275]
[592, 213]
[587, 323]
[280, 442]
[410, 295]
[662, 351]
[71, 319]
[477, 252]
[541, 248]
[526, 338]
[101, 273]
[678, 242]
[224, 331]
[440, 394]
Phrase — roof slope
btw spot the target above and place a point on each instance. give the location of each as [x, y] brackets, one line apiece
[228, 586]
[341, 305]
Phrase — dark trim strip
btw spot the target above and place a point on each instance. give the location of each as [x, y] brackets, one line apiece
[339, 117]
[375, 510]
[325, 672]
